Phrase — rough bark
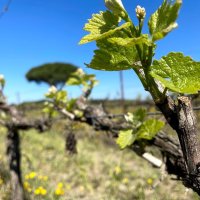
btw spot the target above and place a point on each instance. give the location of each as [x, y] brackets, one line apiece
[170, 147]
[181, 118]
[71, 142]
[14, 159]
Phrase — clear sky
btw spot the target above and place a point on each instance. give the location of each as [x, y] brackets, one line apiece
[41, 31]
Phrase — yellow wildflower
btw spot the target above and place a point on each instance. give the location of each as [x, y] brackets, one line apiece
[125, 181]
[150, 181]
[40, 191]
[117, 170]
[59, 191]
[60, 185]
[27, 186]
[32, 175]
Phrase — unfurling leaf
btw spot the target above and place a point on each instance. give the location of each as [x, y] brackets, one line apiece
[178, 73]
[70, 104]
[149, 129]
[125, 138]
[116, 7]
[61, 96]
[74, 81]
[128, 42]
[164, 19]
[113, 57]
[136, 118]
[102, 25]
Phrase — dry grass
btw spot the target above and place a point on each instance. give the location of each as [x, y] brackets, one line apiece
[100, 171]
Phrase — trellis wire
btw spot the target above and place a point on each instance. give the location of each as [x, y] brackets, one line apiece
[122, 115]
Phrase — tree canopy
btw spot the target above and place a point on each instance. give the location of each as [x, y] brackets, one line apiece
[51, 73]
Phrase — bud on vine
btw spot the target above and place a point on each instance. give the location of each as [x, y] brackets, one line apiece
[80, 71]
[116, 7]
[52, 90]
[140, 12]
[2, 80]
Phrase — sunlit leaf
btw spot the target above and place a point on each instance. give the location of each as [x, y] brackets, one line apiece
[136, 118]
[113, 57]
[149, 129]
[125, 138]
[128, 42]
[73, 81]
[102, 25]
[164, 19]
[178, 73]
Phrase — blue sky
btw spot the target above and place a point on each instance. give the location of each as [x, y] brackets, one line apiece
[41, 31]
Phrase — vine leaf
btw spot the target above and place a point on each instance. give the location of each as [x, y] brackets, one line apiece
[128, 42]
[163, 20]
[136, 118]
[149, 129]
[125, 138]
[178, 73]
[113, 57]
[73, 81]
[102, 25]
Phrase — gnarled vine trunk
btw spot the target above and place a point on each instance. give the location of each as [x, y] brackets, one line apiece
[71, 142]
[181, 118]
[14, 159]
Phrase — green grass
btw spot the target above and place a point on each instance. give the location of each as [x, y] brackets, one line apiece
[100, 170]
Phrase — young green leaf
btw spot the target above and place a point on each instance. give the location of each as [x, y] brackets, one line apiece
[70, 104]
[73, 81]
[61, 96]
[136, 118]
[113, 57]
[125, 138]
[116, 7]
[140, 114]
[178, 73]
[88, 77]
[163, 20]
[149, 129]
[102, 25]
[128, 42]
[2, 80]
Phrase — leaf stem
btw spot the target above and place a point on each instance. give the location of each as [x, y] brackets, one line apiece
[150, 57]
[147, 81]
[142, 78]
[141, 21]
